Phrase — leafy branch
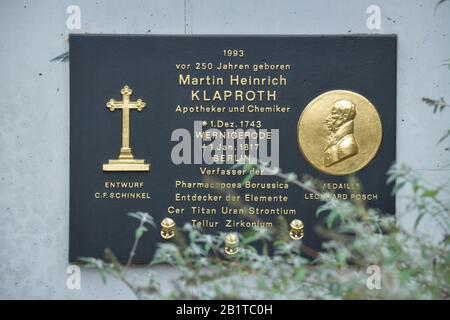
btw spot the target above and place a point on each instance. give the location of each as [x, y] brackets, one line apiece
[355, 237]
[144, 220]
[438, 105]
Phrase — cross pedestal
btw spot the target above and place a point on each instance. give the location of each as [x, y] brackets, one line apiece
[126, 161]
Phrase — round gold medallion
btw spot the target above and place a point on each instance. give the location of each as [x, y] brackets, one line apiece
[339, 132]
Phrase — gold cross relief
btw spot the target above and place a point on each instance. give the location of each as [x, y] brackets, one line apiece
[126, 161]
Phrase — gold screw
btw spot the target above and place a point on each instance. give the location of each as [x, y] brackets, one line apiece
[296, 229]
[231, 244]
[167, 228]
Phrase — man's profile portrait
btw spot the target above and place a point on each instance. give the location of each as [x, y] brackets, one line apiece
[341, 141]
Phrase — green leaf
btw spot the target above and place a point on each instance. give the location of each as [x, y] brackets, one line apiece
[87, 260]
[447, 241]
[278, 243]
[140, 231]
[321, 209]
[156, 261]
[254, 237]
[416, 187]
[398, 186]
[419, 218]
[300, 275]
[331, 218]
[102, 275]
[404, 276]
[248, 177]
[447, 134]
[248, 166]
[391, 177]
[438, 4]
[430, 193]
[261, 282]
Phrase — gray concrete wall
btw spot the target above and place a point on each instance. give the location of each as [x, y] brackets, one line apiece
[34, 107]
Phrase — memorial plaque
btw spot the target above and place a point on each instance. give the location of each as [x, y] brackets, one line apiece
[168, 124]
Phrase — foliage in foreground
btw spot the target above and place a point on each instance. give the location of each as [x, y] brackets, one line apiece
[359, 241]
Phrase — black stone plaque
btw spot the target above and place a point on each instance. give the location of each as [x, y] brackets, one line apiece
[101, 65]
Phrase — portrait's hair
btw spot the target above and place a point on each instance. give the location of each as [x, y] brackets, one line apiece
[346, 109]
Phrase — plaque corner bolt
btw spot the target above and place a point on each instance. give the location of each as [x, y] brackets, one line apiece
[296, 229]
[231, 244]
[167, 228]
